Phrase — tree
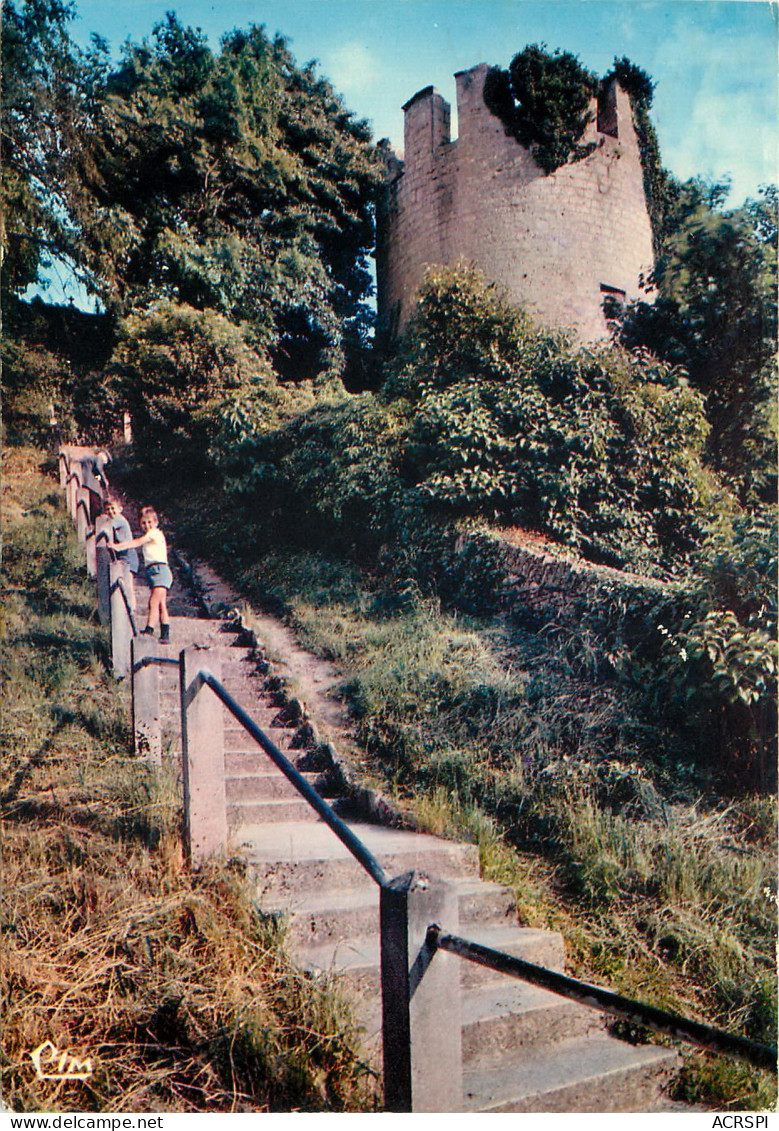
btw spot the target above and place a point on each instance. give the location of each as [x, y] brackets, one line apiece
[42, 114]
[543, 101]
[716, 316]
[234, 181]
[180, 372]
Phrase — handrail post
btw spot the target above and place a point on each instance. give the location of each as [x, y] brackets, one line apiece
[421, 1021]
[73, 484]
[83, 513]
[62, 459]
[202, 740]
[103, 569]
[90, 551]
[147, 727]
[121, 628]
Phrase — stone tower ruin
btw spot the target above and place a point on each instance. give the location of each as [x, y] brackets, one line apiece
[558, 244]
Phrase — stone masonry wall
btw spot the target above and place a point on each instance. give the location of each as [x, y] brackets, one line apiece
[553, 242]
[549, 580]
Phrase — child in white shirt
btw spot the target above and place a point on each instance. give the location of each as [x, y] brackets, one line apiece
[158, 575]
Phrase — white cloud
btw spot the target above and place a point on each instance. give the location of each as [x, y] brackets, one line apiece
[352, 69]
[711, 108]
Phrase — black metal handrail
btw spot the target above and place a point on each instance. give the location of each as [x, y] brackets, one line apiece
[341, 830]
[660, 1020]
[149, 661]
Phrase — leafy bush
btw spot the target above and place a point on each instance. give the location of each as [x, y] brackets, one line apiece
[715, 669]
[599, 447]
[179, 370]
[543, 100]
[716, 315]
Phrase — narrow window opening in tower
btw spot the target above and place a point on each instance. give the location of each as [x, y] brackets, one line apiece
[612, 300]
[608, 118]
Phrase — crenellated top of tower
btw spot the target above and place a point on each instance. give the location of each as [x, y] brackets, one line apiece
[428, 116]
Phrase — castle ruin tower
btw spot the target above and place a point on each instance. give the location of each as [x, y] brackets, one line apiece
[558, 244]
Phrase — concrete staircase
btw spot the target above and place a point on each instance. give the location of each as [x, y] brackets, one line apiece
[524, 1049]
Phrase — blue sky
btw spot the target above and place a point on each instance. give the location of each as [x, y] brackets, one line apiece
[714, 61]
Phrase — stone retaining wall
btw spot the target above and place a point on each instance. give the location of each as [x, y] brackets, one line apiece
[545, 581]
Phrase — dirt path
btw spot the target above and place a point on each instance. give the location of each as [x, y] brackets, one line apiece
[315, 682]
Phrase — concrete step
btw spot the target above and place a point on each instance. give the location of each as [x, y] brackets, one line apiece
[310, 857]
[353, 913]
[587, 1075]
[358, 960]
[186, 630]
[509, 1014]
[239, 742]
[239, 761]
[253, 786]
[499, 1020]
[279, 811]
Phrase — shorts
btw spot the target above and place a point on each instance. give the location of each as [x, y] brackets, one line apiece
[158, 576]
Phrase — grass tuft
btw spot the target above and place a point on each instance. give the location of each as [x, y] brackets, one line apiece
[172, 982]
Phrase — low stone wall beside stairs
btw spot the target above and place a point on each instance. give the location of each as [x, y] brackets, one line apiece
[540, 577]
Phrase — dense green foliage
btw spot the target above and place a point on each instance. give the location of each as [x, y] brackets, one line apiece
[715, 680]
[42, 116]
[484, 417]
[181, 372]
[234, 181]
[598, 447]
[237, 182]
[543, 101]
[716, 315]
[55, 357]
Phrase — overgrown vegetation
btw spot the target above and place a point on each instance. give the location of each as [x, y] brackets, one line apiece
[171, 982]
[622, 754]
[543, 101]
[715, 316]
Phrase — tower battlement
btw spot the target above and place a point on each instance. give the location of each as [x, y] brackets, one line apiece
[556, 243]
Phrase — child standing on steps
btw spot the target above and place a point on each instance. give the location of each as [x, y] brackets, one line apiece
[158, 575]
[119, 531]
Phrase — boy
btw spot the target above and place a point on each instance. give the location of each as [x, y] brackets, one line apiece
[119, 531]
[158, 575]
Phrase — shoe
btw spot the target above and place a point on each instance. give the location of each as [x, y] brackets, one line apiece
[148, 631]
[164, 634]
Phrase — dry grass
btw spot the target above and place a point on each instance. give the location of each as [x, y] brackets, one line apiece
[171, 982]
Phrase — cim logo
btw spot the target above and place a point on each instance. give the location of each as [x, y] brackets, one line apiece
[51, 1064]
